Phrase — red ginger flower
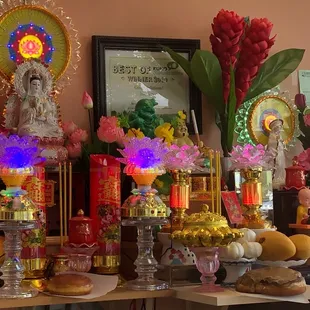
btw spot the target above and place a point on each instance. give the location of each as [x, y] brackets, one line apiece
[228, 28]
[254, 50]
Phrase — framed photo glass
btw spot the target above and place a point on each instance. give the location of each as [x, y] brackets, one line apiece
[126, 70]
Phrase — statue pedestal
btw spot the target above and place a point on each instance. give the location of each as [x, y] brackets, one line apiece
[53, 150]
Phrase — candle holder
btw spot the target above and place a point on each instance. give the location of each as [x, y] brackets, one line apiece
[144, 209]
[17, 211]
[251, 192]
[17, 214]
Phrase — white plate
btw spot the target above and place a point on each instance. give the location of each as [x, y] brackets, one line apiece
[285, 264]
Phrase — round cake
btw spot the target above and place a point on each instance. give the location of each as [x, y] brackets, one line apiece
[70, 285]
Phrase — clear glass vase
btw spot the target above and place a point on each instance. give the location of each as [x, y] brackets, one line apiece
[12, 269]
[146, 263]
[207, 262]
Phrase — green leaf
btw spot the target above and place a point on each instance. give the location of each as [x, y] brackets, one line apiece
[275, 70]
[180, 60]
[207, 74]
[232, 101]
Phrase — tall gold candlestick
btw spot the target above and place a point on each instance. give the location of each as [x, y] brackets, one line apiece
[70, 190]
[211, 181]
[65, 202]
[60, 205]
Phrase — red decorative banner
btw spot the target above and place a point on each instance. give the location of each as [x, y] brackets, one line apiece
[34, 241]
[105, 201]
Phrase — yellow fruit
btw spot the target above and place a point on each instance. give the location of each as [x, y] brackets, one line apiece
[302, 244]
[276, 246]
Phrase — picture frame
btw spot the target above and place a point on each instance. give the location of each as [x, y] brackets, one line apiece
[130, 68]
[232, 206]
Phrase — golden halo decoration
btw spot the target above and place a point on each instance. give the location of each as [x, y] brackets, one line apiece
[266, 109]
[254, 117]
[37, 30]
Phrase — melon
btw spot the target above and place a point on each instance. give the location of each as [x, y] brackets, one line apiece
[276, 246]
[302, 244]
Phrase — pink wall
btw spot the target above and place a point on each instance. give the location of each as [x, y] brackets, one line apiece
[173, 19]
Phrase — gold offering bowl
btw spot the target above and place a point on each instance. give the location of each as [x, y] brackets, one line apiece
[206, 229]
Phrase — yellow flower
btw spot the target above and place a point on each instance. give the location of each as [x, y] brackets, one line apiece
[165, 131]
[182, 115]
[135, 133]
[159, 183]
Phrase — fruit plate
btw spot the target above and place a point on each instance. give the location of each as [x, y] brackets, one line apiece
[285, 264]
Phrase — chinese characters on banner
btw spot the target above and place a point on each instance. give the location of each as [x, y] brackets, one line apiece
[105, 200]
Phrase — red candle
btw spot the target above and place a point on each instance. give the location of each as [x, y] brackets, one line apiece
[105, 203]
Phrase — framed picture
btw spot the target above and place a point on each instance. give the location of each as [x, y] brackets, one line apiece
[126, 70]
[232, 206]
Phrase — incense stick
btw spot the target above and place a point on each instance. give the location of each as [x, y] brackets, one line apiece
[70, 190]
[195, 126]
[211, 180]
[65, 202]
[60, 204]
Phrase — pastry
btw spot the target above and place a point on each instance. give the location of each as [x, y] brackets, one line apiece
[273, 281]
[70, 285]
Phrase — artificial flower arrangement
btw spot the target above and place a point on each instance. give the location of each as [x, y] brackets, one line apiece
[249, 157]
[237, 70]
[304, 120]
[303, 159]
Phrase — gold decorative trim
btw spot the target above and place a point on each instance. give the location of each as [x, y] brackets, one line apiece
[18, 215]
[107, 264]
[57, 20]
[254, 107]
[34, 267]
[144, 212]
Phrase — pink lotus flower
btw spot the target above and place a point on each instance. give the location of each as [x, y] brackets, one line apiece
[87, 101]
[304, 159]
[249, 156]
[69, 128]
[184, 157]
[74, 150]
[79, 135]
[109, 130]
[307, 120]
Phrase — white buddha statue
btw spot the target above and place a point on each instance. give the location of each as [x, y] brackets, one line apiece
[38, 113]
[276, 149]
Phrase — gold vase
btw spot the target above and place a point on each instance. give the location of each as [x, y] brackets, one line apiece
[251, 191]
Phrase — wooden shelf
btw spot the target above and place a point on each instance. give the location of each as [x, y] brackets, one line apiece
[223, 299]
[118, 294]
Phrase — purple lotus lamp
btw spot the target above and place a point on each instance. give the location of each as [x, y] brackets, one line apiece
[144, 160]
[17, 211]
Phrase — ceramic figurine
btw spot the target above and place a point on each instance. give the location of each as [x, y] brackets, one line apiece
[31, 110]
[181, 134]
[38, 113]
[275, 148]
[144, 117]
[304, 207]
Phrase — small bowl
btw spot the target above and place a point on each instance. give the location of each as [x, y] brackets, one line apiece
[80, 262]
